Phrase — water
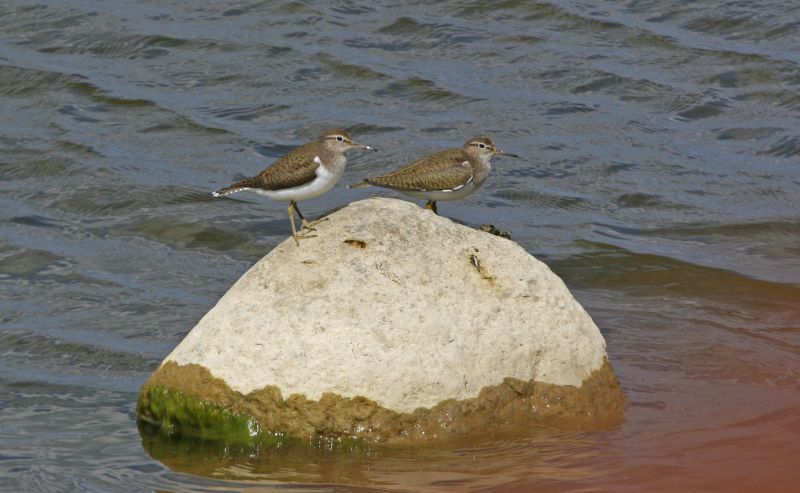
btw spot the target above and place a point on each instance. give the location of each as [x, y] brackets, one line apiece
[660, 179]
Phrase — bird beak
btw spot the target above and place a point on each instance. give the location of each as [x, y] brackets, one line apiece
[362, 146]
[504, 153]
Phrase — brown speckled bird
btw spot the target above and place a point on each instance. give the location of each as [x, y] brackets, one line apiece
[451, 174]
[306, 172]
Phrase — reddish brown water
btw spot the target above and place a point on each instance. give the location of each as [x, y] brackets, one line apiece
[713, 379]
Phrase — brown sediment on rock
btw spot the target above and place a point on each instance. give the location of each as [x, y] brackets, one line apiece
[489, 228]
[356, 243]
[508, 408]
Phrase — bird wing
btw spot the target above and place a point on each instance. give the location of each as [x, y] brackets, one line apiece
[444, 170]
[297, 168]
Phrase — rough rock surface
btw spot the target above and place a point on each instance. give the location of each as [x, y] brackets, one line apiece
[398, 305]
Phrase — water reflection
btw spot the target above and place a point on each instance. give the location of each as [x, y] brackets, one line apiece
[540, 456]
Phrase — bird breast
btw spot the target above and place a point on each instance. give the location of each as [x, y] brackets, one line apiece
[334, 163]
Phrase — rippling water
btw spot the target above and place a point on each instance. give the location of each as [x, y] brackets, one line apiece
[660, 179]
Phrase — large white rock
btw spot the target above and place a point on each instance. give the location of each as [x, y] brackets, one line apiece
[395, 303]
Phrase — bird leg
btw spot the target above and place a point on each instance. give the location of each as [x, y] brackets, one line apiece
[309, 225]
[291, 220]
[297, 237]
[431, 204]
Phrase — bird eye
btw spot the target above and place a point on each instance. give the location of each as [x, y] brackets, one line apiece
[482, 146]
[339, 138]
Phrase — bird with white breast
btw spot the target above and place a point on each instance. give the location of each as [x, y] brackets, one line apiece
[304, 173]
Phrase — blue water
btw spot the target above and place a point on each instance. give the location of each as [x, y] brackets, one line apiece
[659, 177]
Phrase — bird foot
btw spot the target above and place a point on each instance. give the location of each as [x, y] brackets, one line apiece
[302, 236]
[432, 206]
[309, 225]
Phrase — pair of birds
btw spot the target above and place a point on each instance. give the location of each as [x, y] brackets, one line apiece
[314, 168]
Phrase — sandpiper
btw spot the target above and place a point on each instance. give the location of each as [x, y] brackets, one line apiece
[451, 174]
[306, 172]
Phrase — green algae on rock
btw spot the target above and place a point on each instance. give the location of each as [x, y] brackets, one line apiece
[175, 412]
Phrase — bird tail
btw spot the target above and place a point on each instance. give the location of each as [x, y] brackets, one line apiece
[236, 187]
[361, 184]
